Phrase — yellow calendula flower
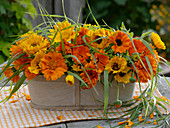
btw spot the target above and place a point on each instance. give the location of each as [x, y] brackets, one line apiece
[116, 64]
[34, 43]
[70, 80]
[123, 76]
[157, 41]
[64, 30]
[34, 67]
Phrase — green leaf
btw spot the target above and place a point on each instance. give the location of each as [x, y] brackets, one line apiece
[106, 90]
[2, 59]
[20, 10]
[17, 86]
[2, 10]
[6, 52]
[145, 34]
[120, 2]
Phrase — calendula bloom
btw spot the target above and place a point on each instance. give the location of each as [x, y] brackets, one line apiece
[93, 74]
[67, 46]
[33, 44]
[77, 67]
[64, 30]
[95, 34]
[101, 60]
[9, 72]
[157, 41]
[116, 64]
[81, 54]
[53, 65]
[121, 42]
[140, 47]
[28, 74]
[16, 51]
[81, 33]
[142, 51]
[34, 67]
[124, 75]
[70, 80]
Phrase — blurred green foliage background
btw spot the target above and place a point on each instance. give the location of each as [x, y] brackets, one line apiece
[139, 15]
[13, 23]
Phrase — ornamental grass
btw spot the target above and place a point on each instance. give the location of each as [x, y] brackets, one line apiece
[88, 52]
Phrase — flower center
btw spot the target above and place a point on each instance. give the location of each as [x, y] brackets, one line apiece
[115, 66]
[121, 74]
[119, 42]
[98, 41]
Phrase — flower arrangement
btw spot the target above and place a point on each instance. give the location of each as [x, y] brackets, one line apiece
[85, 52]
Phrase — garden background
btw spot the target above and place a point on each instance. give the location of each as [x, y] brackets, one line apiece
[18, 16]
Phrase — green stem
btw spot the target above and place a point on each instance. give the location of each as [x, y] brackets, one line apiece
[117, 91]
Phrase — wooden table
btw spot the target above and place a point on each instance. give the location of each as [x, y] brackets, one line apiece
[164, 90]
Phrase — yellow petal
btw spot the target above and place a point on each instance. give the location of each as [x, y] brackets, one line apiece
[157, 41]
[70, 80]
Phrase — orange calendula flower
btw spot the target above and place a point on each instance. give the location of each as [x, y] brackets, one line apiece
[64, 30]
[123, 76]
[81, 54]
[143, 72]
[70, 80]
[79, 39]
[34, 43]
[53, 66]
[95, 34]
[15, 51]
[116, 64]
[157, 41]
[121, 42]
[9, 72]
[28, 74]
[67, 47]
[93, 74]
[102, 60]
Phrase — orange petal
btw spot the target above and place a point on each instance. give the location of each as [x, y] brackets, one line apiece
[151, 115]
[59, 117]
[90, 115]
[24, 94]
[140, 119]
[119, 123]
[126, 126]
[27, 97]
[98, 126]
[155, 123]
[13, 101]
[130, 123]
[12, 97]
